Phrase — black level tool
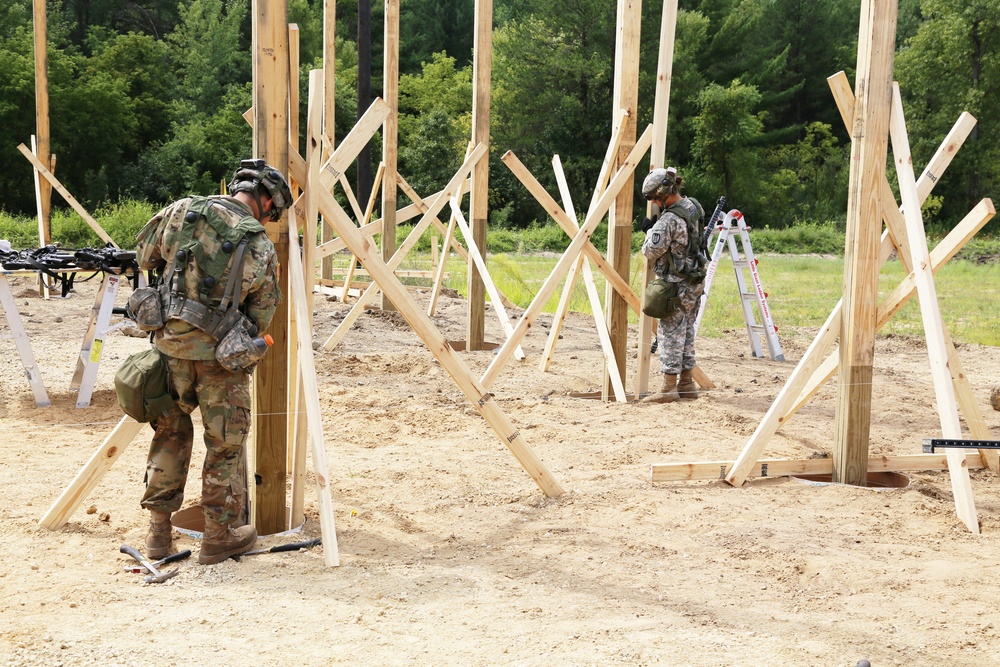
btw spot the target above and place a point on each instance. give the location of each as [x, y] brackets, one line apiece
[930, 444]
[295, 546]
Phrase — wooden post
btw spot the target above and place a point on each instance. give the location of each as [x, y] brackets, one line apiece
[626, 96]
[876, 45]
[657, 158]
[330, 103]
[42, 120]
[390, 130]
[270, 142]
[482, 67]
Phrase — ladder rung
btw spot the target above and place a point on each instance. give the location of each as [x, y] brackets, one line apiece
[741, 264]
[748, 296]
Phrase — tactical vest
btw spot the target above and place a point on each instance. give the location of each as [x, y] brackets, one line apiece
[216, 317]
[691, 212]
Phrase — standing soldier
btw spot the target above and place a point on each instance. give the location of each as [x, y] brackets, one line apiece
[674, 242]
[216, 289]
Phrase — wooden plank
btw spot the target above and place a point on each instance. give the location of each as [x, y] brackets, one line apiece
[709, 470]
[453, 186]
[390, 131]
[657, 158]
[44, 235]
[478, 396]
[307, 364]
[559, 318]
[484, 275]
[571, 227]
[569, 257]
[293, 85]
[900, 296]
[270, 142]
[90, 475]
[595, 300]
[482, 68]
[363, 218]
[439, 273]
[42, 130]
[930, 313]
[423, 206]
[50, 177]
[876, 46]
[310, 207]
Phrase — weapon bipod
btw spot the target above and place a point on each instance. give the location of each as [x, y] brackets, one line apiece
[731, 226]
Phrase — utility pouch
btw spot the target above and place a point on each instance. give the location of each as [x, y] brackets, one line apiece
[239, 350]
[142, 386]
[146, 309]
[661, 298]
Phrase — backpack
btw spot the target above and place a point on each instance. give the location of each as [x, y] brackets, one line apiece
[690, 211]
[142, 386]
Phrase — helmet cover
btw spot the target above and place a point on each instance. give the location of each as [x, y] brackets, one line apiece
[255, 174]
[660, 183]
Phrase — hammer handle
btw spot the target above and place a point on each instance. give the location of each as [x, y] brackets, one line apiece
[134, 553]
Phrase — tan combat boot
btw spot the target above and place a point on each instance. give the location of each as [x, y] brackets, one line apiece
[686, 388]
[222, 542]
[668, 392]
[159, 535]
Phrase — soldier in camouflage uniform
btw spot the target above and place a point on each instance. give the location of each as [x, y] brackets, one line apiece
[187, 258]
[673, 244]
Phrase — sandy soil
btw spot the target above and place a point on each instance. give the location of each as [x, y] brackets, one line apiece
[451, 555]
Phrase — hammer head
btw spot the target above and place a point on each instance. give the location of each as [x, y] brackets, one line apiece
[162, 576]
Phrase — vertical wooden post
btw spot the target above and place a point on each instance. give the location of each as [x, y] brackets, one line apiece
[626, 96]
[657, 158]
[270, 142]
[482, 68]
[293, 86]
[42, 121]
[329, 104]
[390, 93]
[869, 134]
[364, 95]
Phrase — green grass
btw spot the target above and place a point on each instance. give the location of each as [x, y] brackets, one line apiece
[802, 288]
[802, 291]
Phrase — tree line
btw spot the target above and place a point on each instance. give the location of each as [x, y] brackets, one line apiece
[146, 97]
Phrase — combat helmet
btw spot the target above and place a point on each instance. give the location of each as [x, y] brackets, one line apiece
[660, 183]
[255, 174]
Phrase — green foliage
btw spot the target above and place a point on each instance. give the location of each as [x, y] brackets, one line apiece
[725, 131]
[950, 65]
[121, 221]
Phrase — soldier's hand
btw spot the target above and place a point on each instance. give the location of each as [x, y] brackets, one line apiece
[647, 224]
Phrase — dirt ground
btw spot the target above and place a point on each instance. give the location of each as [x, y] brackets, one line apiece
[451, 555]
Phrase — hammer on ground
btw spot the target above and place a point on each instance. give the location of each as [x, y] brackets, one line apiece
[155, 576]
[141, 569]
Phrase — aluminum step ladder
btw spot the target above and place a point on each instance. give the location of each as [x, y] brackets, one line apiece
[734, 226]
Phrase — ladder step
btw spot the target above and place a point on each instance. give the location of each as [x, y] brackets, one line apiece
[741, 264]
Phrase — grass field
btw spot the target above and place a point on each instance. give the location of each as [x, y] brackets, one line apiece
[802, 290]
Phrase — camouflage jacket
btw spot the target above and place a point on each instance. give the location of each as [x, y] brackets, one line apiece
[157, 246]
[669, 234]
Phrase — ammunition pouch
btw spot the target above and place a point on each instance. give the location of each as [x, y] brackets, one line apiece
[238, 351]
[146, 309]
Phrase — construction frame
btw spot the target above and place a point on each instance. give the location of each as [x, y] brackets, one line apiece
[288, 419]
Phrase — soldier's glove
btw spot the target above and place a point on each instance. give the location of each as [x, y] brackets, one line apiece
[647, 224]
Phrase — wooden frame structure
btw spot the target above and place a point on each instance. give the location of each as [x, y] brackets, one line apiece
[870, 202]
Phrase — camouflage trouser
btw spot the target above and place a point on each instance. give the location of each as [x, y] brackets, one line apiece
[224, 399]
[675, 332]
